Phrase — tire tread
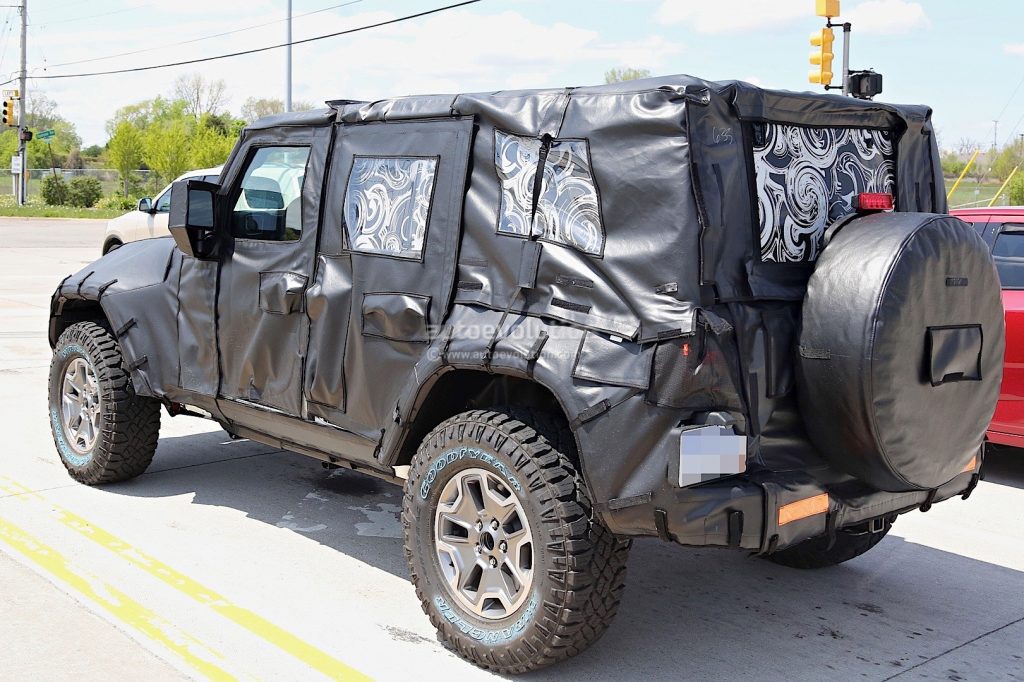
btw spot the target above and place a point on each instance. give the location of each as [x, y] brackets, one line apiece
[588, 563]
[130, 423]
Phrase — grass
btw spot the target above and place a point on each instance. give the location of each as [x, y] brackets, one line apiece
[970, 192]
[36, 209]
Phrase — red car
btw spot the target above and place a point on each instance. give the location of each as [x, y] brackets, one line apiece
[1003, 228]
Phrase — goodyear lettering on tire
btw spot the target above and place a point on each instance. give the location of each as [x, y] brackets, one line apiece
[447, 458]
[64, 448]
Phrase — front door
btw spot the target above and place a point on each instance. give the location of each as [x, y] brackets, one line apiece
[386, 264]
[273, 202]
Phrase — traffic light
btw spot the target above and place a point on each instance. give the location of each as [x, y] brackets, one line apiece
[8, 114]
[827, 8]
[821, 57]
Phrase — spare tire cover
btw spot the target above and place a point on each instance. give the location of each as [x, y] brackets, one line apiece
[901, 349]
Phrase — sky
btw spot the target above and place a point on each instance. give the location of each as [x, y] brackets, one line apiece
[964, 59]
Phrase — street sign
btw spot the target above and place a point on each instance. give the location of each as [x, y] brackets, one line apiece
[10, 93]
[15, 164]
[46, 135]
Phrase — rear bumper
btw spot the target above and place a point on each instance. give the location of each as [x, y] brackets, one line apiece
[766, 511]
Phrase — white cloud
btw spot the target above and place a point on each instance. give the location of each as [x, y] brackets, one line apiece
[887, 17]
[736, 16]
[455, 51]
[731, 16]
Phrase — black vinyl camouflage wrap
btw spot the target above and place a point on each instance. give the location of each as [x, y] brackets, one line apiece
[568, 211]
[648, 298]
[807, 177]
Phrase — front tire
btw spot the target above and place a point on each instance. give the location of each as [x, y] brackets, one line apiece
[507, 558]
[103, 431]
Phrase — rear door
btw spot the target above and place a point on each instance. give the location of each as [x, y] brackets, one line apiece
[385, 266]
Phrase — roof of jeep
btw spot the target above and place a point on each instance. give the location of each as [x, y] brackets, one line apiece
[433, 105]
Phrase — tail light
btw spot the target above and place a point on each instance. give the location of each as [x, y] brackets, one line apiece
[873, 201]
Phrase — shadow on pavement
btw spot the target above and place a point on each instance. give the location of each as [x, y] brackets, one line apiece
[687, 613]
[1005, 465]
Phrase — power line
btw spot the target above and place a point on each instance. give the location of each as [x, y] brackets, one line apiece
[261, 49]
[1013, 130]
[6, 35]
[201, 38]
[1010, 100]
[96, 16]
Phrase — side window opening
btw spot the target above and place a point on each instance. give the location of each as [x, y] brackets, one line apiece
[806, 179]
[269, 205]
[387, 204]
[1008, 253]
[568, 207]
[163, 202]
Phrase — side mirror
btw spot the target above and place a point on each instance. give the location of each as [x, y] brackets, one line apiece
[145, 205]
[192, 218]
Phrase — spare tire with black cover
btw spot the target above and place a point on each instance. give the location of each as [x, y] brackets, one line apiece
[901, 349]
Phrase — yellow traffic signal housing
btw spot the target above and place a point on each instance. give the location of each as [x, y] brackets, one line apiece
[8, 113]
[821, 57]
[827, 8]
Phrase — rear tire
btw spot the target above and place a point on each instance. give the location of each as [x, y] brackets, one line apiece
[816, 553]
[575, 568]
[103, 431]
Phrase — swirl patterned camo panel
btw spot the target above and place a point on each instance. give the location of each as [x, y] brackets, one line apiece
[387, 204]
[807, 179]
[567, 210]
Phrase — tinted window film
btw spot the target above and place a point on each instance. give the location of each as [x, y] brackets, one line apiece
[1008, 253]
[568, 209]
[269, 204]
[806, 178]
[387, 204]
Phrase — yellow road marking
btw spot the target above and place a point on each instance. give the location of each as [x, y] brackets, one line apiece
[112, 600]
[254, 623]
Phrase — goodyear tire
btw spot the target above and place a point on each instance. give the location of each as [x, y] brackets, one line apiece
[816, 553]
[104, 433]
[506, 557]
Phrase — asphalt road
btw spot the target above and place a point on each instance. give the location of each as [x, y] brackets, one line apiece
[229, 559]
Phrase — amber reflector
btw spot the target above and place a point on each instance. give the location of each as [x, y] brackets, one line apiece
[801, 509]
[971, 465]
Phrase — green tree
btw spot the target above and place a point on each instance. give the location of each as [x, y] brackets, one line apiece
[166, 148]
[1016, 189]
[1008, 159]
[625, 74]
[147, 113]
[210, 144]
[125, 151]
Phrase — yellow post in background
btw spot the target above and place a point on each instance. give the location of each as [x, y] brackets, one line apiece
[960, 179]
[1004, 185]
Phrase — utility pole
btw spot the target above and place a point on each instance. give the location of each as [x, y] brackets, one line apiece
[22, 127]
[288, 63]
[995, 134]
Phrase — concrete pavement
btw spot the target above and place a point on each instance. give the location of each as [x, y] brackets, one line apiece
[229, 559]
